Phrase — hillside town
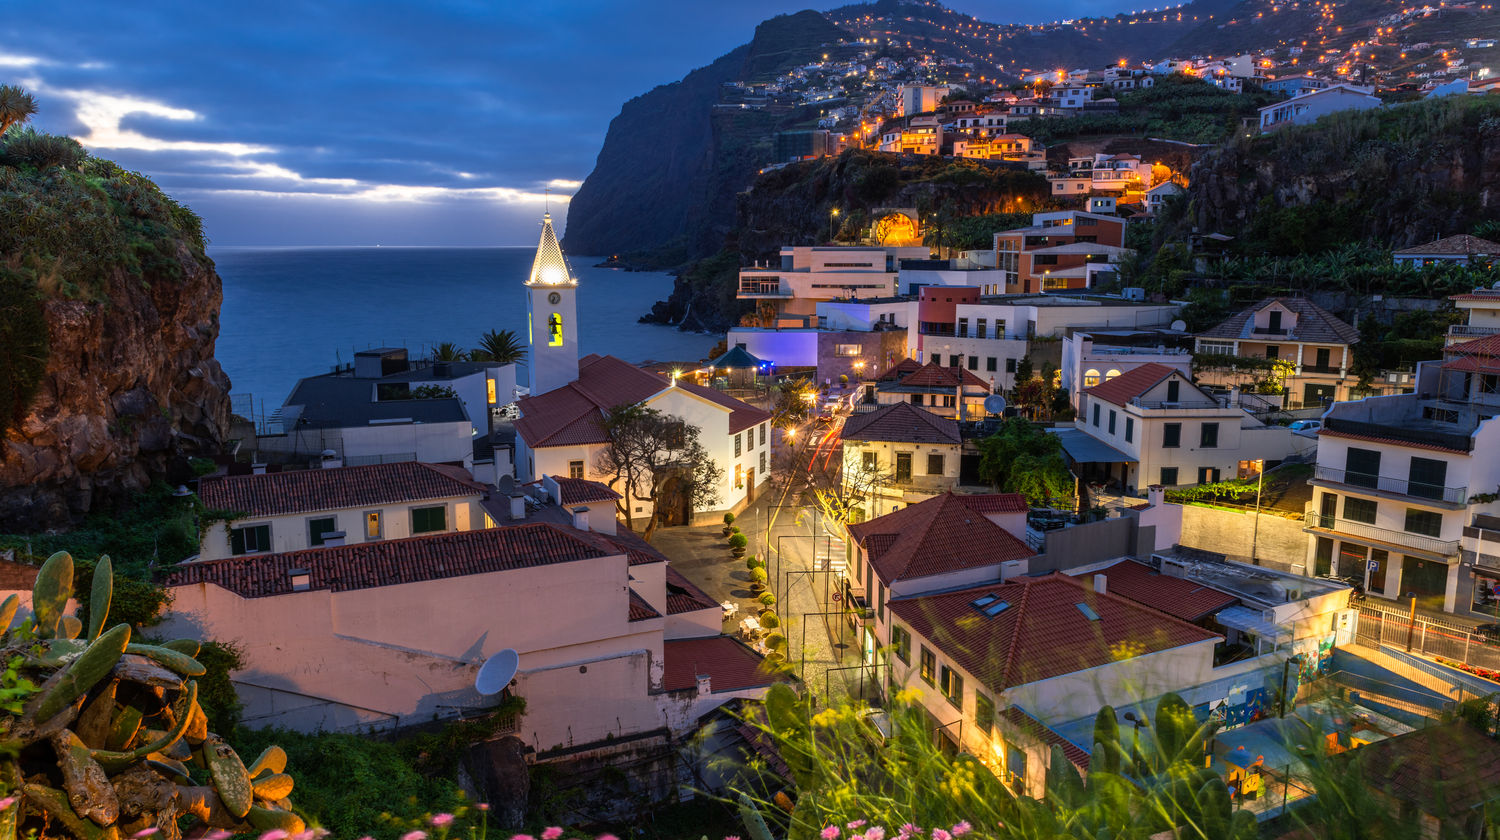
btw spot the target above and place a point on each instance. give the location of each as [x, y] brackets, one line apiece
[1047, 504]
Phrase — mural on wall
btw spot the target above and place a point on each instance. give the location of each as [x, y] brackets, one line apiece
[1243, 704]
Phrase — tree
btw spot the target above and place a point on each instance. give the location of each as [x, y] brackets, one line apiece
[499, 346]
[16, 107]
[845, 499]
[1023, 458]
[447, 351]
[655, 457]
[795, 399]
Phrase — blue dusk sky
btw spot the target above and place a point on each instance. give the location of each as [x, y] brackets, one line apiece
[372, 121]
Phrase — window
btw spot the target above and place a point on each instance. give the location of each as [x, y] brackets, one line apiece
[1111, 421]
[739, 476]
[1015, 762]
[973, 362]
[429, 519]
[979, 329]
[372, 524]
[1273, 351]
[963, 327]
[1174, 390]
[846, 350]
[1208, 475]
[490, 390]
[901, 643]
[575, 469]
[1096, 415]
[934, 465]
[1360, 510]
[1208, 435]
[952, 686]
[1323, 557]
[763, 434]
[952, 361]
[903, 466]
[989, 364]
[554, 330]
[1362, 467]
[1129, 429]
[250, 539]
[1169, 476]
[984, 713]
[736, 446]
[1010, 365]
[1090, 378]
[1423, 522]
[928, 667]
[1171, 435]
[869, 461]
[916, 399]
[320, 527]
[763, 462]
[1427, 477]
[1323, 363]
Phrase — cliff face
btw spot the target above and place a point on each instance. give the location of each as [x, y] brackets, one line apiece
[1397, 176]
[671, 162]
[130, 388]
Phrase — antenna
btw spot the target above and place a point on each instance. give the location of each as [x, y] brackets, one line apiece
[497, 672]
[547, 200]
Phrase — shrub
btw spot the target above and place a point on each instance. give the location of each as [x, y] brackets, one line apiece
[777, 643]
[758, 576]
[769, 620]
[752, 562]
[766, 599]
[738, 540]
[728, 518]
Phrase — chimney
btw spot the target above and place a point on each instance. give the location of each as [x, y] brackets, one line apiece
[581, 518]
[518, 505]
[1156, 495]
[704, 687]
[1101, 584]
[301, 579]
[331, 460]
[257, 469]
[333, 538]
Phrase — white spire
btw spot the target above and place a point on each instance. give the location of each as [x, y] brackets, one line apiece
[549, 268]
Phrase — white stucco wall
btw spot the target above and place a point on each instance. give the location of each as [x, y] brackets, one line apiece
[290, 532]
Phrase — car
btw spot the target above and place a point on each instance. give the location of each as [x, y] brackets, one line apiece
[1306, 425]
[1491, 632]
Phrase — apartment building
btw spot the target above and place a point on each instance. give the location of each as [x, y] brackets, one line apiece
[1306, 108]
[808, 274]
[900, 454]
[1482, 315]
[1295, 329]
[1037, 258]
[1086, 363]
[1407, 487]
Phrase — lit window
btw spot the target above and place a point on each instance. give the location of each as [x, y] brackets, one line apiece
[372, 525]
[575, 469]
[554, 330]
[739, 476]
[1111, 374]
[490, 384]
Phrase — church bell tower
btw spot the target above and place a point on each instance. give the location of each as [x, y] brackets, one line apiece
[551, 316]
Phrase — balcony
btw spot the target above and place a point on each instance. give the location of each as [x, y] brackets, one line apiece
[1329, 369]
[1269, 331]
[1394, 486]
[1315, 522]
[1221, 402]
[1406, 433]
[762, 288]
[1468, 331]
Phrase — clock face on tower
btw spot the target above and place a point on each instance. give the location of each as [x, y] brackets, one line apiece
[554, 298]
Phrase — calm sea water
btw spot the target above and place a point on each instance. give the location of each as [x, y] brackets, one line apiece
[295, 312]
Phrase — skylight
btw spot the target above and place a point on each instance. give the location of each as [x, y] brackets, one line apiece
[983, 601]
[1088, 611]
[996, 608]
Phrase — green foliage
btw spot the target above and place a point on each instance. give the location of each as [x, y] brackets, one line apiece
[758, 575]
[432, 392]
[23, 344]
[738, 541]
[767, 600]
[16, 107]
[447, 351]
[1177, 108]
[769, 620]
[152, 527]
[15, 688]
[501, 347]
[216, 692]
[28, 148]
[728, 518]
[795, 400]
[138, 603]
[1023, 458]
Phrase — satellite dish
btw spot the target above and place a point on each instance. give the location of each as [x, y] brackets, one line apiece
[506, 485]
[497, 672]
[994, 404]
[1179, 325]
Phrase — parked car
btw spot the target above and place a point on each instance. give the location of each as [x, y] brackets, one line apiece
[1306, 425]
[1491, 632]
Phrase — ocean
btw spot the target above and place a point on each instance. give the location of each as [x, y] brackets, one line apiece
[295, 312]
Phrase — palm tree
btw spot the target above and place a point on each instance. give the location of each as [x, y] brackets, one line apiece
[16, 106]
[502, 347]
[447, 351]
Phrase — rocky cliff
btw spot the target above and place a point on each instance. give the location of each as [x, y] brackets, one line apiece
[1395, 176]
[114, 307]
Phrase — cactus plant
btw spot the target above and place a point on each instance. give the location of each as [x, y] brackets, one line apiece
[104, 744]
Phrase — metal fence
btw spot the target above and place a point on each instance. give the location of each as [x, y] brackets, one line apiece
[1426, 636]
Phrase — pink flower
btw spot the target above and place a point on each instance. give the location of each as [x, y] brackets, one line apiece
[939, 834]
[910, 829]
[875, 833]
[962, 828]
[732, 837]
[221, 834]
[7, 802]
[146, 832]
[830, 832]
[441, 820]
[855, 824]
[410, 835]
[607, 837]
[856, 837]
[521, 837]
[303, 835]
[275, 834]
[551, 833]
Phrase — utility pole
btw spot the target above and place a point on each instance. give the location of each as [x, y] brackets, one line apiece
[1260, 476]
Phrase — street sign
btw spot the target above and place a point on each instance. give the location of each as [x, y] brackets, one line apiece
[1373, 565]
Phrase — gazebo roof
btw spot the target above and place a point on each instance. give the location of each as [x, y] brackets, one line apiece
[737, 357]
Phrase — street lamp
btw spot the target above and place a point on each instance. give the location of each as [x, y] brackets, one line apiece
[1260, 475]
[832, 215]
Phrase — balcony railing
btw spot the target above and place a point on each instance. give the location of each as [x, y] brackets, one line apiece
[1400, 434]
[1268, 331]
[1470, 331]
[764, 289]
[1398, 486]
[1319, 369]
[1221, 402]
[1312, 520]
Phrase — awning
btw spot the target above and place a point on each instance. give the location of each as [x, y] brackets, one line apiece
[1084, 448]
[737, 357]
[1250, 621]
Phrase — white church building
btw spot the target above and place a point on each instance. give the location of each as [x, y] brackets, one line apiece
[560, 431]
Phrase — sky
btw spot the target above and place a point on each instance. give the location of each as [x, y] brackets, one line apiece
[361, 122]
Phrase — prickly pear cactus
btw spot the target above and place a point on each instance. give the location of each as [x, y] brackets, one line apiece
[110, 740]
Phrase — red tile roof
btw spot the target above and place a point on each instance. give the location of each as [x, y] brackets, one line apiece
[627, 542]
[1314, 324]
[1377, 439]
[368, 565]
[899, 370]
[573, 414]
[304, 491]
[1018, 718]
[939, 535]
[1132, 383]
[1042, 634]
[996, 502]
[934, 375]
[684, 596]
[1175, 596]
[1453, 765]
[730, 665]
[902, 422]
[581, 491]
[640, 610]
[1487, 346]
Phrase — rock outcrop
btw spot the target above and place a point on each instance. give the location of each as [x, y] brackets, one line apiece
[130, 389]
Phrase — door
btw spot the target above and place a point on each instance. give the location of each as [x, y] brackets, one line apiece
[1375, 580]
[1426, 580]
[1328, 510]
[750, 485]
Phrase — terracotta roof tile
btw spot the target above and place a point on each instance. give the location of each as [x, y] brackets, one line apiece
[1325, 431]
[899, 370]
[742, 415]
[939, 535]
[1042, 633]
[368, 565]
[1314, 323]
[934, 375]
[1461, 245]
[1132, 383]
[996, 502]
[304, 491]
[684, 596]
[581, 491]
[1487, 346]
[640, 610]
[1454, 764]
[1018, 718]
[1177, 597]
[902, 422]
[730, 665]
